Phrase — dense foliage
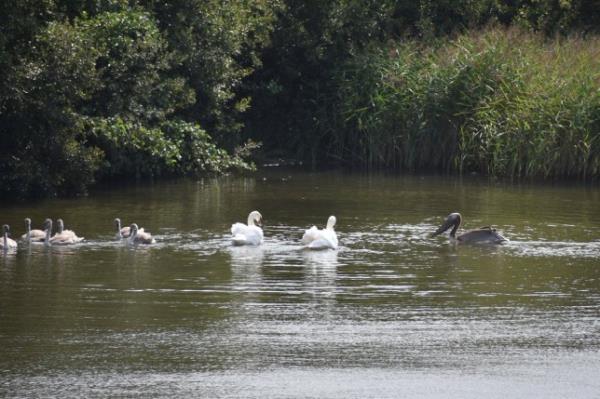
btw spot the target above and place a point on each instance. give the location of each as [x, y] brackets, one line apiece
[326, 59]
[136, 88]
[476, 103]
[120, 89]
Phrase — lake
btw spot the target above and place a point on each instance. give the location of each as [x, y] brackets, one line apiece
[392, 313]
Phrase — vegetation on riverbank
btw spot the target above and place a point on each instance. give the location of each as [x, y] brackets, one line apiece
[113, 89]
[138, 88]
[504, 103]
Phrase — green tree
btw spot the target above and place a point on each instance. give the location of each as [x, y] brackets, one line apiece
[97, 95]
[216, 45]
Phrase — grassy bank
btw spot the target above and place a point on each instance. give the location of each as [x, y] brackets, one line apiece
[499, 102]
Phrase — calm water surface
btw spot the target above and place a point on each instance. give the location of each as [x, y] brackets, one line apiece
[392, 313]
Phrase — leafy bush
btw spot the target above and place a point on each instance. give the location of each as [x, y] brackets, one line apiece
[100, 101]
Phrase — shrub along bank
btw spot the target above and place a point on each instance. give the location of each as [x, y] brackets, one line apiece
[500, 102]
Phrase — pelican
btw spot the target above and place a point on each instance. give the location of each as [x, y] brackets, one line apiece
[314, 238]
[7, 243]
[250, 234]
[34, 235]
[485, 234]
[124, 232]
[64, 237]
[139, 236]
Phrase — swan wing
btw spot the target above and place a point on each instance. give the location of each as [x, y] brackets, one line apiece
[256, 235]
[65, 239]
[319, 239]
[60, 240]
[35, 236]
[144, 237]
[246, 235]
[238, 228]
[326, 240]
[68, 234]
[10, 243]
[331, 237]
[310, 235]
[239, 239]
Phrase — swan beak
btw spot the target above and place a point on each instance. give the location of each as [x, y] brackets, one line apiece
[259, 222]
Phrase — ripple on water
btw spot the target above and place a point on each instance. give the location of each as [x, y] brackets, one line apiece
[554, 249]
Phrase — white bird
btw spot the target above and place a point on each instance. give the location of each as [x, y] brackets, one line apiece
[314, 238]
[34, 235]
[250, 234]
[7, 244]
[64, 237]
[139, 236]
[124, 232]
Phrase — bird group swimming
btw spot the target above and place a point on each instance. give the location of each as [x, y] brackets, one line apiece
[250, 233]
[132, 234]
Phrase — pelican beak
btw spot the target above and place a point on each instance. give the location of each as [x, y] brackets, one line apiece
[450, 221]
[438, 231]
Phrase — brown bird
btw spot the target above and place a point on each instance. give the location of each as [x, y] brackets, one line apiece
[485, 234]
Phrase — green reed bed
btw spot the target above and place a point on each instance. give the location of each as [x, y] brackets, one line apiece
[499, 102]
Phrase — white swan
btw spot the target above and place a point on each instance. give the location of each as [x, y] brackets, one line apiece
[314, 238]
[34, 235]
[64, 237]
[250, 234]
[124, 232]
[7, 244]
[139, 236]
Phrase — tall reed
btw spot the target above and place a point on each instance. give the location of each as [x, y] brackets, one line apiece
[500, 102]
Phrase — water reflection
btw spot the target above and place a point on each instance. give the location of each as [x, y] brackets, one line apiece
[246, 256]
[327, 259]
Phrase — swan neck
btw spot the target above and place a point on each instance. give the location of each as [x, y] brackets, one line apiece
[48, 232]
[5, 239]
[330, 223]
[251, 220]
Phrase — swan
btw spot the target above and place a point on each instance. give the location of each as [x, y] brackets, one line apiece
[485, 234]
[64, 237]
[47, 231]
[7, 243]
[139, 236]
[34, 235]
[124, 232]
[314, 238]
[250, 234]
